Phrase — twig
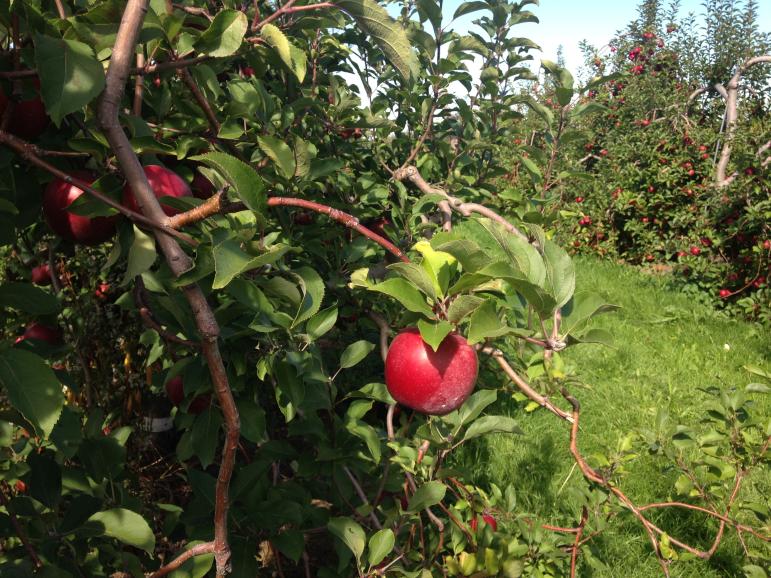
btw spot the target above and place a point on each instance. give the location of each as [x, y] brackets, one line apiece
[26, 151]
[411, 173]
[197, 550]
[385, 332]
[139, 85]
[362, 497]
[140, 298]
[216, 205]
[525, 387]
[18, 528]
[577, 541]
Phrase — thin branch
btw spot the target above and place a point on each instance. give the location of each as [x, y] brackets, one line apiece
[26, 151]
[363, 497]
[139, 86]
[140, 299]
[216, 205]
[18, 528]
[577, 541]
[412, 174]
[197, 550]
[525, 387]
[385, 332]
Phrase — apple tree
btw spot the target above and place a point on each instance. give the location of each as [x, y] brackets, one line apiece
[209, 236]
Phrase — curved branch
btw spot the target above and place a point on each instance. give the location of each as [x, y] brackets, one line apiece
[198, 550]
[178, 261]
[412, 174]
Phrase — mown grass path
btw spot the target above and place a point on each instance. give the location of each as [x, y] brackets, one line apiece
[666, 348]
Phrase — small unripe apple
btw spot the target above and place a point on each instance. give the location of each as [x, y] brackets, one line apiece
[164, 183]
[41, 275]
[428, 381]
[40, 332]
[59, 195]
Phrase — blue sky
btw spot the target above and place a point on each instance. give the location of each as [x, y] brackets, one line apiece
[567, 22]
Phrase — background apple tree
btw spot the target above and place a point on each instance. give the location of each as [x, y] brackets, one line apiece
[261, 302]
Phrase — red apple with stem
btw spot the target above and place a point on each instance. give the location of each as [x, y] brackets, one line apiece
[428, 381]
[164, 183]
[59, 195]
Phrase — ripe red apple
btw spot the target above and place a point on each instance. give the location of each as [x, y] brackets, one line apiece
[695, 250]
[428, 381]
[20, 487]
[175, 390]
[724, 293]
[41, 275]
[29, 118]
[164, 183]
[767, 244]
[40, 332]
[247, 71]
[58, 195]
[579, 199]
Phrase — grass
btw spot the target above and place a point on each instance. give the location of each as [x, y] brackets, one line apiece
[666, 348]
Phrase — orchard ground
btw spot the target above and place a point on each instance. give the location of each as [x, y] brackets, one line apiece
[667, 347]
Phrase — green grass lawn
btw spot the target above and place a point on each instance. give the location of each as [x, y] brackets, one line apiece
[666, 348]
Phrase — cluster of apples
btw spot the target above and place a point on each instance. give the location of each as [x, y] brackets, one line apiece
[60, 194]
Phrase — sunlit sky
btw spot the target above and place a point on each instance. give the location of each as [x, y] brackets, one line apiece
[567, 22]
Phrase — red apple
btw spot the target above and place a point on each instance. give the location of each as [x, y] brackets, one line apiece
[51, 335]
[29, 118]
[41, 275]
[102, 291]
[164, 183]
[695, 250]
[579, 199]
[247, 71]
[20, 487]
[428, 381]
[58, 195]
[175, 390]
[724, 293]
[199, 404]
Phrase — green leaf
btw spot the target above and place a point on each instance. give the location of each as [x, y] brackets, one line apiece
[312, 287]
[476, 404]
[426, 495]
[580, 309]
[416, 275]
[224, 35]
[386, 32]
[484, 323]
[355, 353]
[70, 75]
[560, 273]
[28, 298]
[280, 153]
[252, 420]
[434, 333]
[469, 7]
[45, 483]
[321, 322]
[126, 526]
[230, 260]
[463, 306]
[290, 543]
[292, 57]
[350, 533]
[412, 299]
[438, 265]
[141, 255]
[205, 435]
[381, 544]
[32, 388]
[595, 335]
[492, 423]
[244, 179]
